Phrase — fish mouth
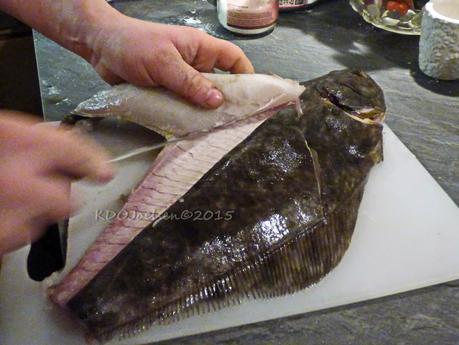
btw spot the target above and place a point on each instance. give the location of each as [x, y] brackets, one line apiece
[366, 114]
[357, 95]
[371, 116]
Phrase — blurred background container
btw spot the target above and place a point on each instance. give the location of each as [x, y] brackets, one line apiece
[399, 16]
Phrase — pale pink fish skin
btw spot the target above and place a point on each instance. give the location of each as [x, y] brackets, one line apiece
[176, 169]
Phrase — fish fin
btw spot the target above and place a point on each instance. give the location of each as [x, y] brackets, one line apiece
[295, 264]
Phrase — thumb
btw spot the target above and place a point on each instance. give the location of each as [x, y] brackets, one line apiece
[181, 78]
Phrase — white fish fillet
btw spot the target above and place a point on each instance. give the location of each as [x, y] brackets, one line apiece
[177, 168]
[169, 115]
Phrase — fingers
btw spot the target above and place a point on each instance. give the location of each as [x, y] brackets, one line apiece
[205, 52]
[51, 203]
[53, 193]
[76, 157]
[15, 233]
[35, 178]
[79, 157]
[54, 150]
[179, 77]
[231, 58]
[48, 201]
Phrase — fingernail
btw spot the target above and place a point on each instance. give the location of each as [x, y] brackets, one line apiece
[214, 98]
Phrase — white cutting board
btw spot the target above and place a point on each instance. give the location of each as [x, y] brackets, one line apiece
[406, 237]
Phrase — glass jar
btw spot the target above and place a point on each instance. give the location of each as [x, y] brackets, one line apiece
[248, 17]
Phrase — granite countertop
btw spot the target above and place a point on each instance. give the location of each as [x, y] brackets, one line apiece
[423, 112]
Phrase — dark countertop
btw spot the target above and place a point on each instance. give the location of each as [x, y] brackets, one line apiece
[423, 112]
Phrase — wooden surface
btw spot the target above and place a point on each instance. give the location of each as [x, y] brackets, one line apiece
[423, 112]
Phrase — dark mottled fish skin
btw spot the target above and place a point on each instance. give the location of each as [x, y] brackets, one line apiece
[294, 185]
[353, 92]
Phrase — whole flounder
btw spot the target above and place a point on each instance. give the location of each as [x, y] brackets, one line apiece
[273, 216]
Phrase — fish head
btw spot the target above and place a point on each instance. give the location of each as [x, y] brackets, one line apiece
[354, 92]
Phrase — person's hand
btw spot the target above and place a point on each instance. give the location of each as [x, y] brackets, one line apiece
[149, 54]
[135, 51]
[139, 52]
[37, 164]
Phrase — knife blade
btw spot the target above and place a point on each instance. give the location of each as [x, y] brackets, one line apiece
[145, 149]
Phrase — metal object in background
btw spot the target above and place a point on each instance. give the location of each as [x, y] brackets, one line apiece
[292, 5]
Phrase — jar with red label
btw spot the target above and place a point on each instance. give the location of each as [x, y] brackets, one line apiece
[248, 17]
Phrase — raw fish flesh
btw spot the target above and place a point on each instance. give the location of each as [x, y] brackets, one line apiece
[171, 116]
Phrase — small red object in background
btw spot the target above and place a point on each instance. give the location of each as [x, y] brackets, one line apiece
[401, 7]
[392, 6]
